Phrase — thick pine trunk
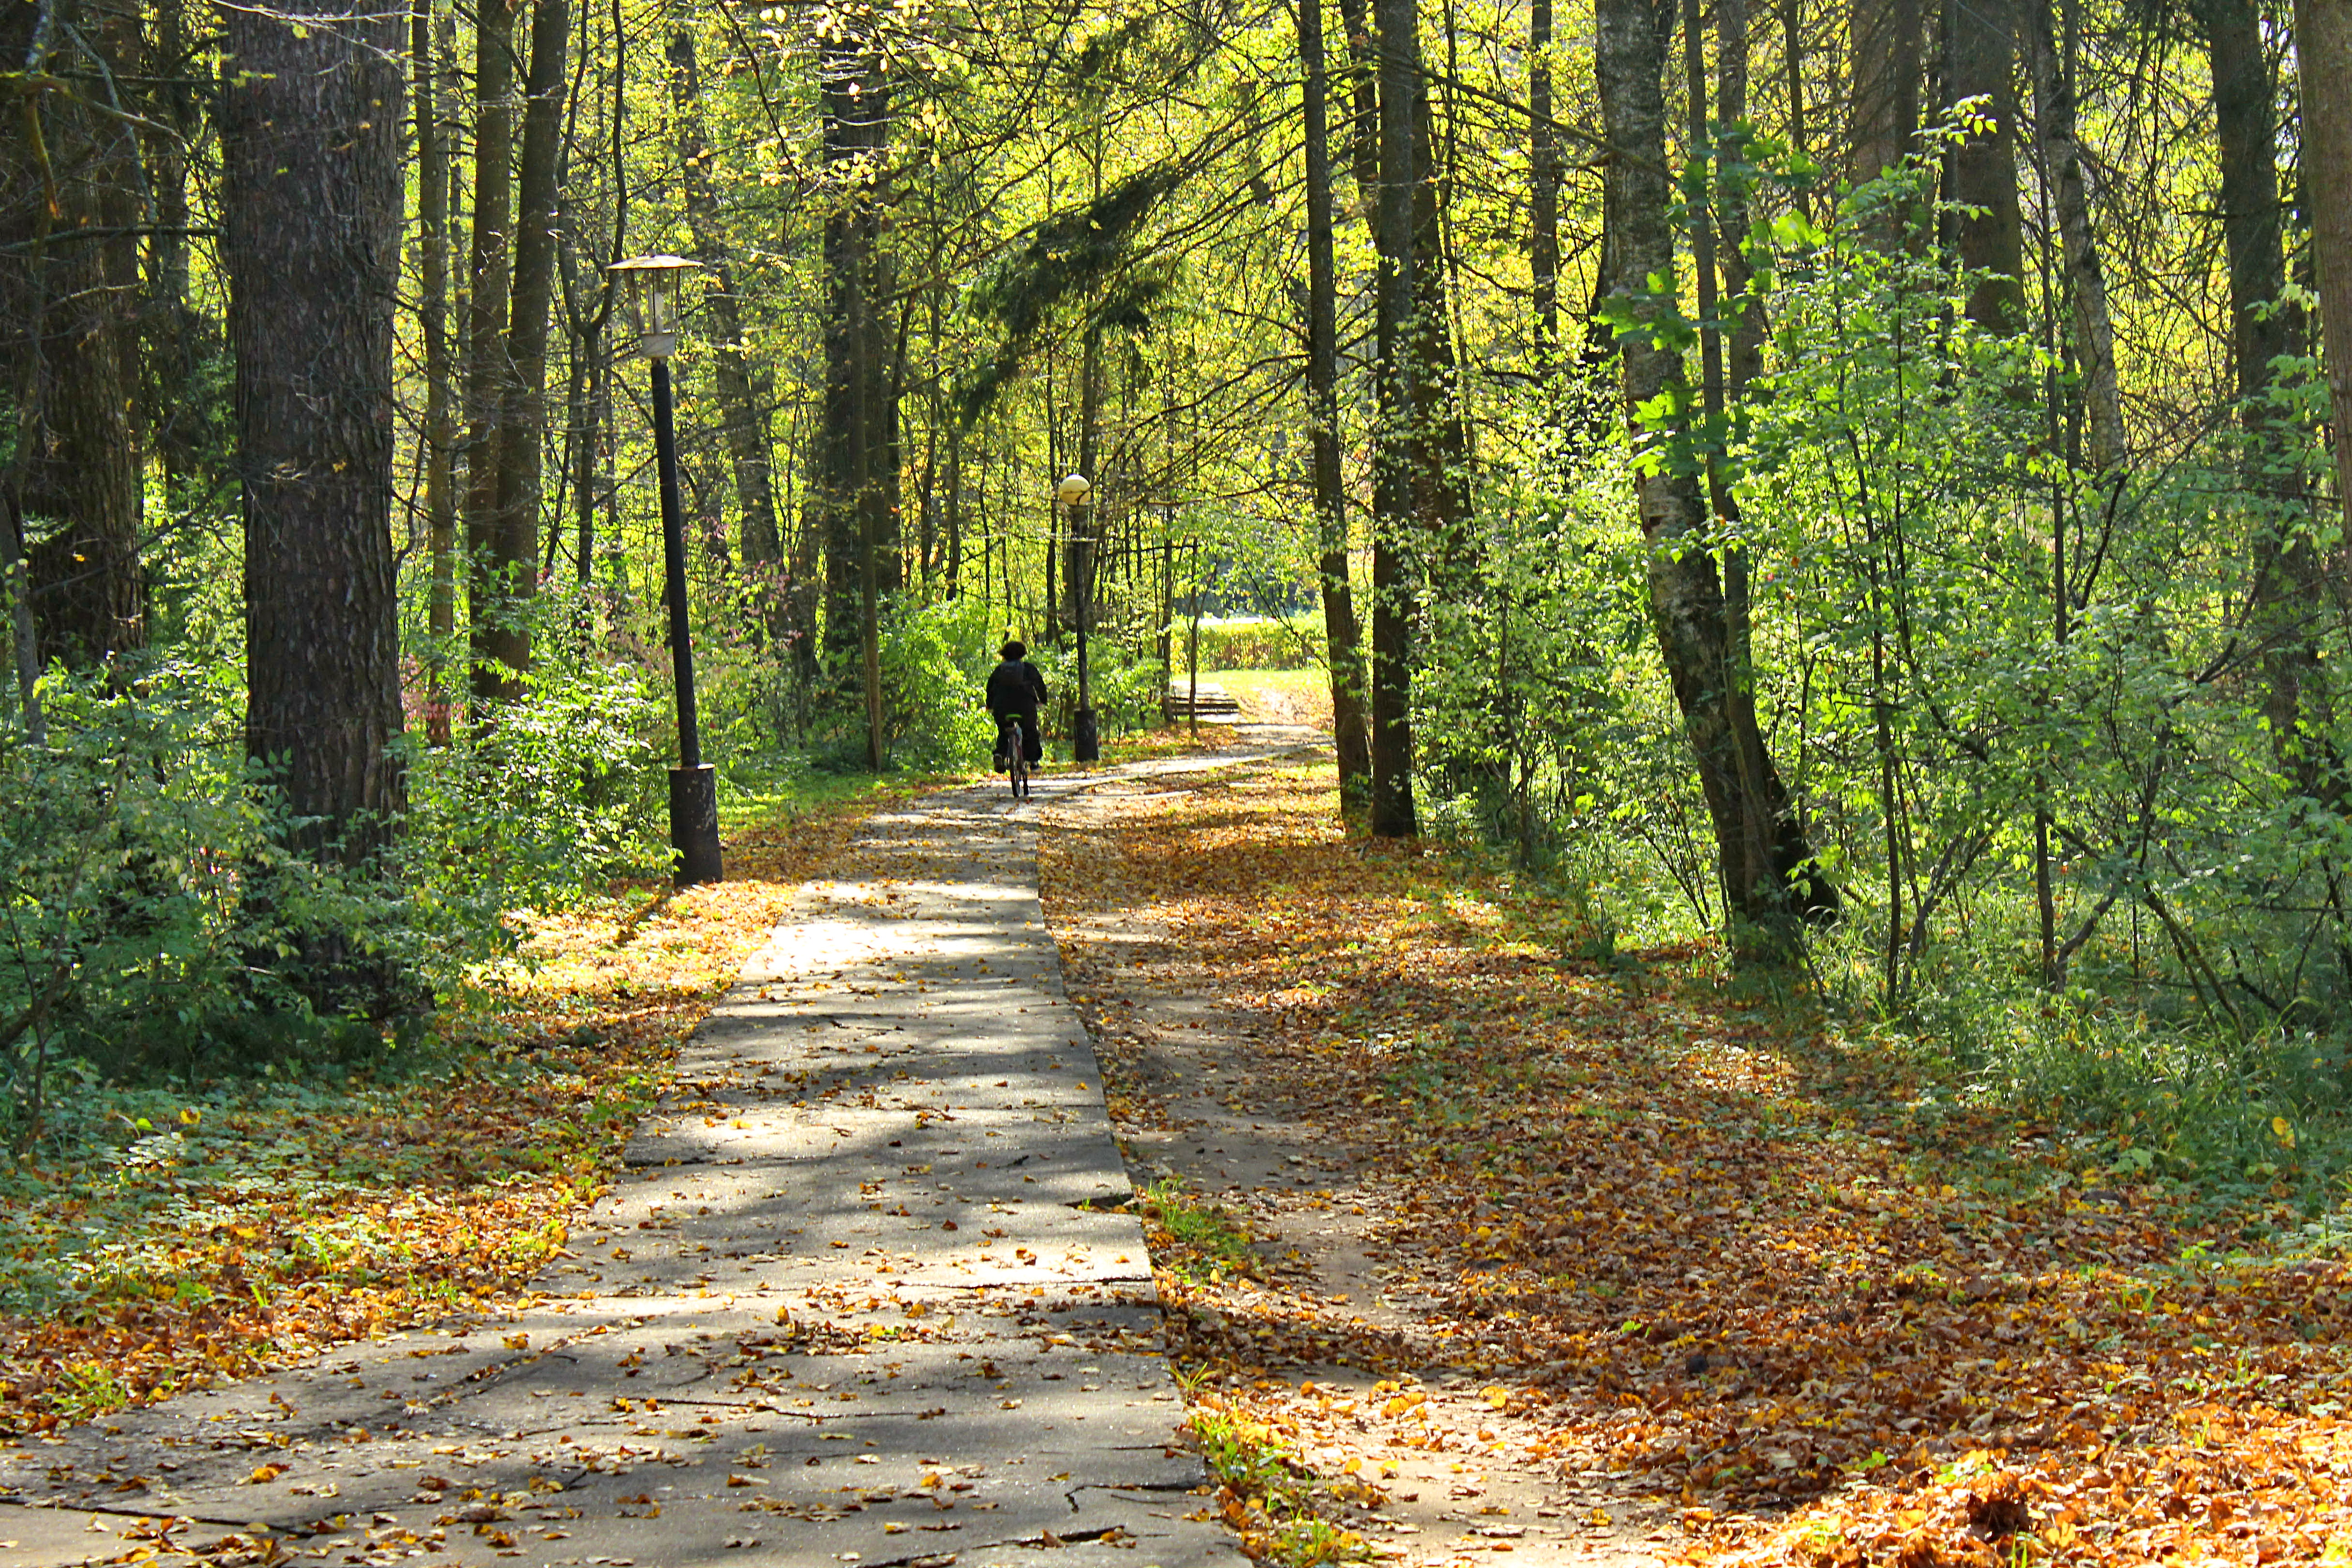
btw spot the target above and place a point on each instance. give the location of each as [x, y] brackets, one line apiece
[1342, 636]
[857, 476]
[2245, 131]
[491, 629]
[1762, 859]
[433, 312]
[2289, 595]
[743, 395]
[311, 243]
[1360, 145]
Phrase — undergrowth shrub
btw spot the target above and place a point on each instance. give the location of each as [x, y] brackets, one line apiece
[566, 791]
[153, 919]
[935, 661]
[158, 921]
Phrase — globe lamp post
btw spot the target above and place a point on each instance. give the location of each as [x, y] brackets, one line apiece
[1086, 740]
[652, 295]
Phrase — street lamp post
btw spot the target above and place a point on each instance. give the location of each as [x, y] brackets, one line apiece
[1085, 740]
[652, 282]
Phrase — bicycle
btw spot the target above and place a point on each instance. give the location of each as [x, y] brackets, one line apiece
[1014, 747]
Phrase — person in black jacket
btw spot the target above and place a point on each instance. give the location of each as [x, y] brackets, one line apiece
[1015, 688]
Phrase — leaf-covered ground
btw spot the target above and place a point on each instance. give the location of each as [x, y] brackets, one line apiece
[180, 1235]
[1570, 1259]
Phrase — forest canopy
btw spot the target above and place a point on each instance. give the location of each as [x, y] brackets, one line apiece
[1847, 481]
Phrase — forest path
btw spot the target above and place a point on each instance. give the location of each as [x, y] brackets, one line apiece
[865, 1293]
[1169, 896]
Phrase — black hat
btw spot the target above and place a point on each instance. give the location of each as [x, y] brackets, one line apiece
[1014, 649]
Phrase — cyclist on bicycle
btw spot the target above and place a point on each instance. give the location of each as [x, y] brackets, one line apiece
[1014, 690]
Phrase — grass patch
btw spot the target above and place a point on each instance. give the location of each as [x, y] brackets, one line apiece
[1196, 1241]
[1274, 1503]
[1296, 696]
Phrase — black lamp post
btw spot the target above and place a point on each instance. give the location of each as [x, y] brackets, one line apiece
[653, 304]
[1085, 740]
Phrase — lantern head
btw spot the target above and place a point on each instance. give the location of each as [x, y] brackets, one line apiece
[652, 296]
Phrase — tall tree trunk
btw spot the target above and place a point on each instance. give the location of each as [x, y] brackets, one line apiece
[491, 624]
[2087, 287]
[523, 419]
[1078, 544]
[1361, 144]
[1745, 359]
[310, 105]
[2245, 128]
[1461, 753]
[2289, 591]
[859, 440]
[1397, 447]
[178, 337]
[68, 316]
[1342, 636]
[1981, 37]
[1543, 189]
[1442, 457]
[433, 311]
[2299, 698]
[855, 442]
[743, 392]
[1078, 565]
[1765, 865]
[1884, 109]
[955, 513]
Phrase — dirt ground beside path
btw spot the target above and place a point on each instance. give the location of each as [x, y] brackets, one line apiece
[1319, 1339]
[1513, 1250]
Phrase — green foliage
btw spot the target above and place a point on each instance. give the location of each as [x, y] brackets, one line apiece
[935, 662]
[1543, 728]
[1277, 1495]
[565, 790]
[153, 917]
[1070, 255]
[157, 919]
[1126, 688]
[1257, 642]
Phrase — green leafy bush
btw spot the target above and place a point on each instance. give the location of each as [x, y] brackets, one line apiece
[566, 791]
[152, 917]
[935, 662]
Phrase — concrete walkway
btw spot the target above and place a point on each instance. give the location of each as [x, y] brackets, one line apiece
[864, 1295]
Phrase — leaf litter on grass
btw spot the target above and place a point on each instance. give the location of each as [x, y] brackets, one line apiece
[211, 1232]
[1683, 1251]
